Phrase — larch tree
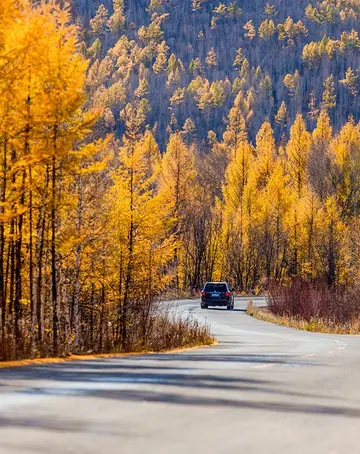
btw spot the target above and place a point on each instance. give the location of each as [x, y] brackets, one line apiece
[329, 94]
[319, 161]
[275, 202]
[39, 153]
[345, 154]
[265, 153]
[298, 149]
[234, 209]
[177, 184]
[68, 125]
[143, 243]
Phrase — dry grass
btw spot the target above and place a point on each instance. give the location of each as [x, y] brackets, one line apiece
[313, 306]
[316, 325]
[160, 331]
[250, 308]
[335, 305]
[170, 332]
[37, 361]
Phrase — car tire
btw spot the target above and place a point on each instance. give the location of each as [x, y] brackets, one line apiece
[228, 307]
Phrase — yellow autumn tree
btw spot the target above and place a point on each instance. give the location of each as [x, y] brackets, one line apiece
[139, 218]
[265, 153]
[345, 153]
[177, 185]
[319, 161]
[333, 257]
[41, 139]
[307, 231]
[275, 202]
[234, 211]
[297, 150]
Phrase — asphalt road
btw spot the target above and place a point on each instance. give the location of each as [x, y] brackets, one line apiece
[262, 389]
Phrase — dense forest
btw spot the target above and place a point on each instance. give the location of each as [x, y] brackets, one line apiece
[149, 146]
[194, 60]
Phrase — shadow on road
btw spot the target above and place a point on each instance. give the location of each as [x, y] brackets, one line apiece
[225, 310]
[66, 425]
[284, 407]
[170, 379]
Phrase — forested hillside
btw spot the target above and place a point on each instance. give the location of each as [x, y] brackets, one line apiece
[195, 59]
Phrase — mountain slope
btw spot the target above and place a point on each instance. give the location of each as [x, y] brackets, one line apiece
[196, 58]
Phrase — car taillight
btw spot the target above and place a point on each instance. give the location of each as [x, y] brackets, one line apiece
[203, 293]
[227, 294]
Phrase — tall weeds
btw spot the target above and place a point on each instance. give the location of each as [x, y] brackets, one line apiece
[315, 300]
[151, 328]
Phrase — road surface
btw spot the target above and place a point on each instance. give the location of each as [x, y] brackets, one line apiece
[262, 389]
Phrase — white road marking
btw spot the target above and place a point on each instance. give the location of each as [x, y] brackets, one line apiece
[264, 366]
[341, 345]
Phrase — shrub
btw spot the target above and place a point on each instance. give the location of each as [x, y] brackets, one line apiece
[315, 300]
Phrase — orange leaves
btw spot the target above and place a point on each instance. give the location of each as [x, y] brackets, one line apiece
[177, 174]
[298, 149]
[139, 231]
[266, 153]
[323, 130]
[237, 176]
[290, 209]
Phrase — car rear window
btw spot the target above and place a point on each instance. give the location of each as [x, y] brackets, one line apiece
[215, 288]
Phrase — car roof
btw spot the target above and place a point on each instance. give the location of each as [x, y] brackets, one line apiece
[214, 282]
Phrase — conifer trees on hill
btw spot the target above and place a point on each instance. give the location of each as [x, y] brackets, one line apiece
[281, 58]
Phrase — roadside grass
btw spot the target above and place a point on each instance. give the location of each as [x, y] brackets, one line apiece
[162, 332]
[176, 332]
[312, 305]
[169, 335]
[88, 357]
[315, 325]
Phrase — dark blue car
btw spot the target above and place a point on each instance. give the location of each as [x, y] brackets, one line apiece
[217, 294]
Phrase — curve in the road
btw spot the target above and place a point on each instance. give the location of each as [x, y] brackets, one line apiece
[263, 388]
